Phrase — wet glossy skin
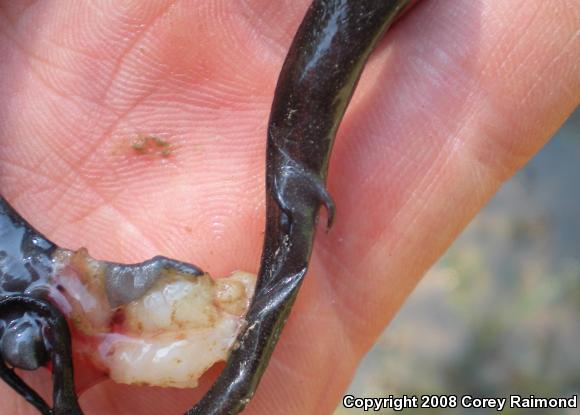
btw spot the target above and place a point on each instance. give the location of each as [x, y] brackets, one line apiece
[315, 86]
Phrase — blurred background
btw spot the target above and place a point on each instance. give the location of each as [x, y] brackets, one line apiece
[499, 314]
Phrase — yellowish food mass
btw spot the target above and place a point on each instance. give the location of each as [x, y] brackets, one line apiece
[169, 336]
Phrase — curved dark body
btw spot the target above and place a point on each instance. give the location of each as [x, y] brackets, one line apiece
[317, 80]
[315, 86]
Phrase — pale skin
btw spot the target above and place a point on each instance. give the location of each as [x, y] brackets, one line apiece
[457, 98]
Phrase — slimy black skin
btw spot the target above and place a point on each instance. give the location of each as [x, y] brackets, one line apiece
[315, 86]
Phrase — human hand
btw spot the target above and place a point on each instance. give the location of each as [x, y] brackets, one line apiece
[458, 96]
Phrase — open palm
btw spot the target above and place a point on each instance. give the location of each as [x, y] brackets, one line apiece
[457, 97]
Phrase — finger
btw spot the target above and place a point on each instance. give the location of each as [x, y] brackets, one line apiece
[463, 95]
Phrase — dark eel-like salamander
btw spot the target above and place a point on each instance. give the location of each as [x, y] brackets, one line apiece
[315, 86]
